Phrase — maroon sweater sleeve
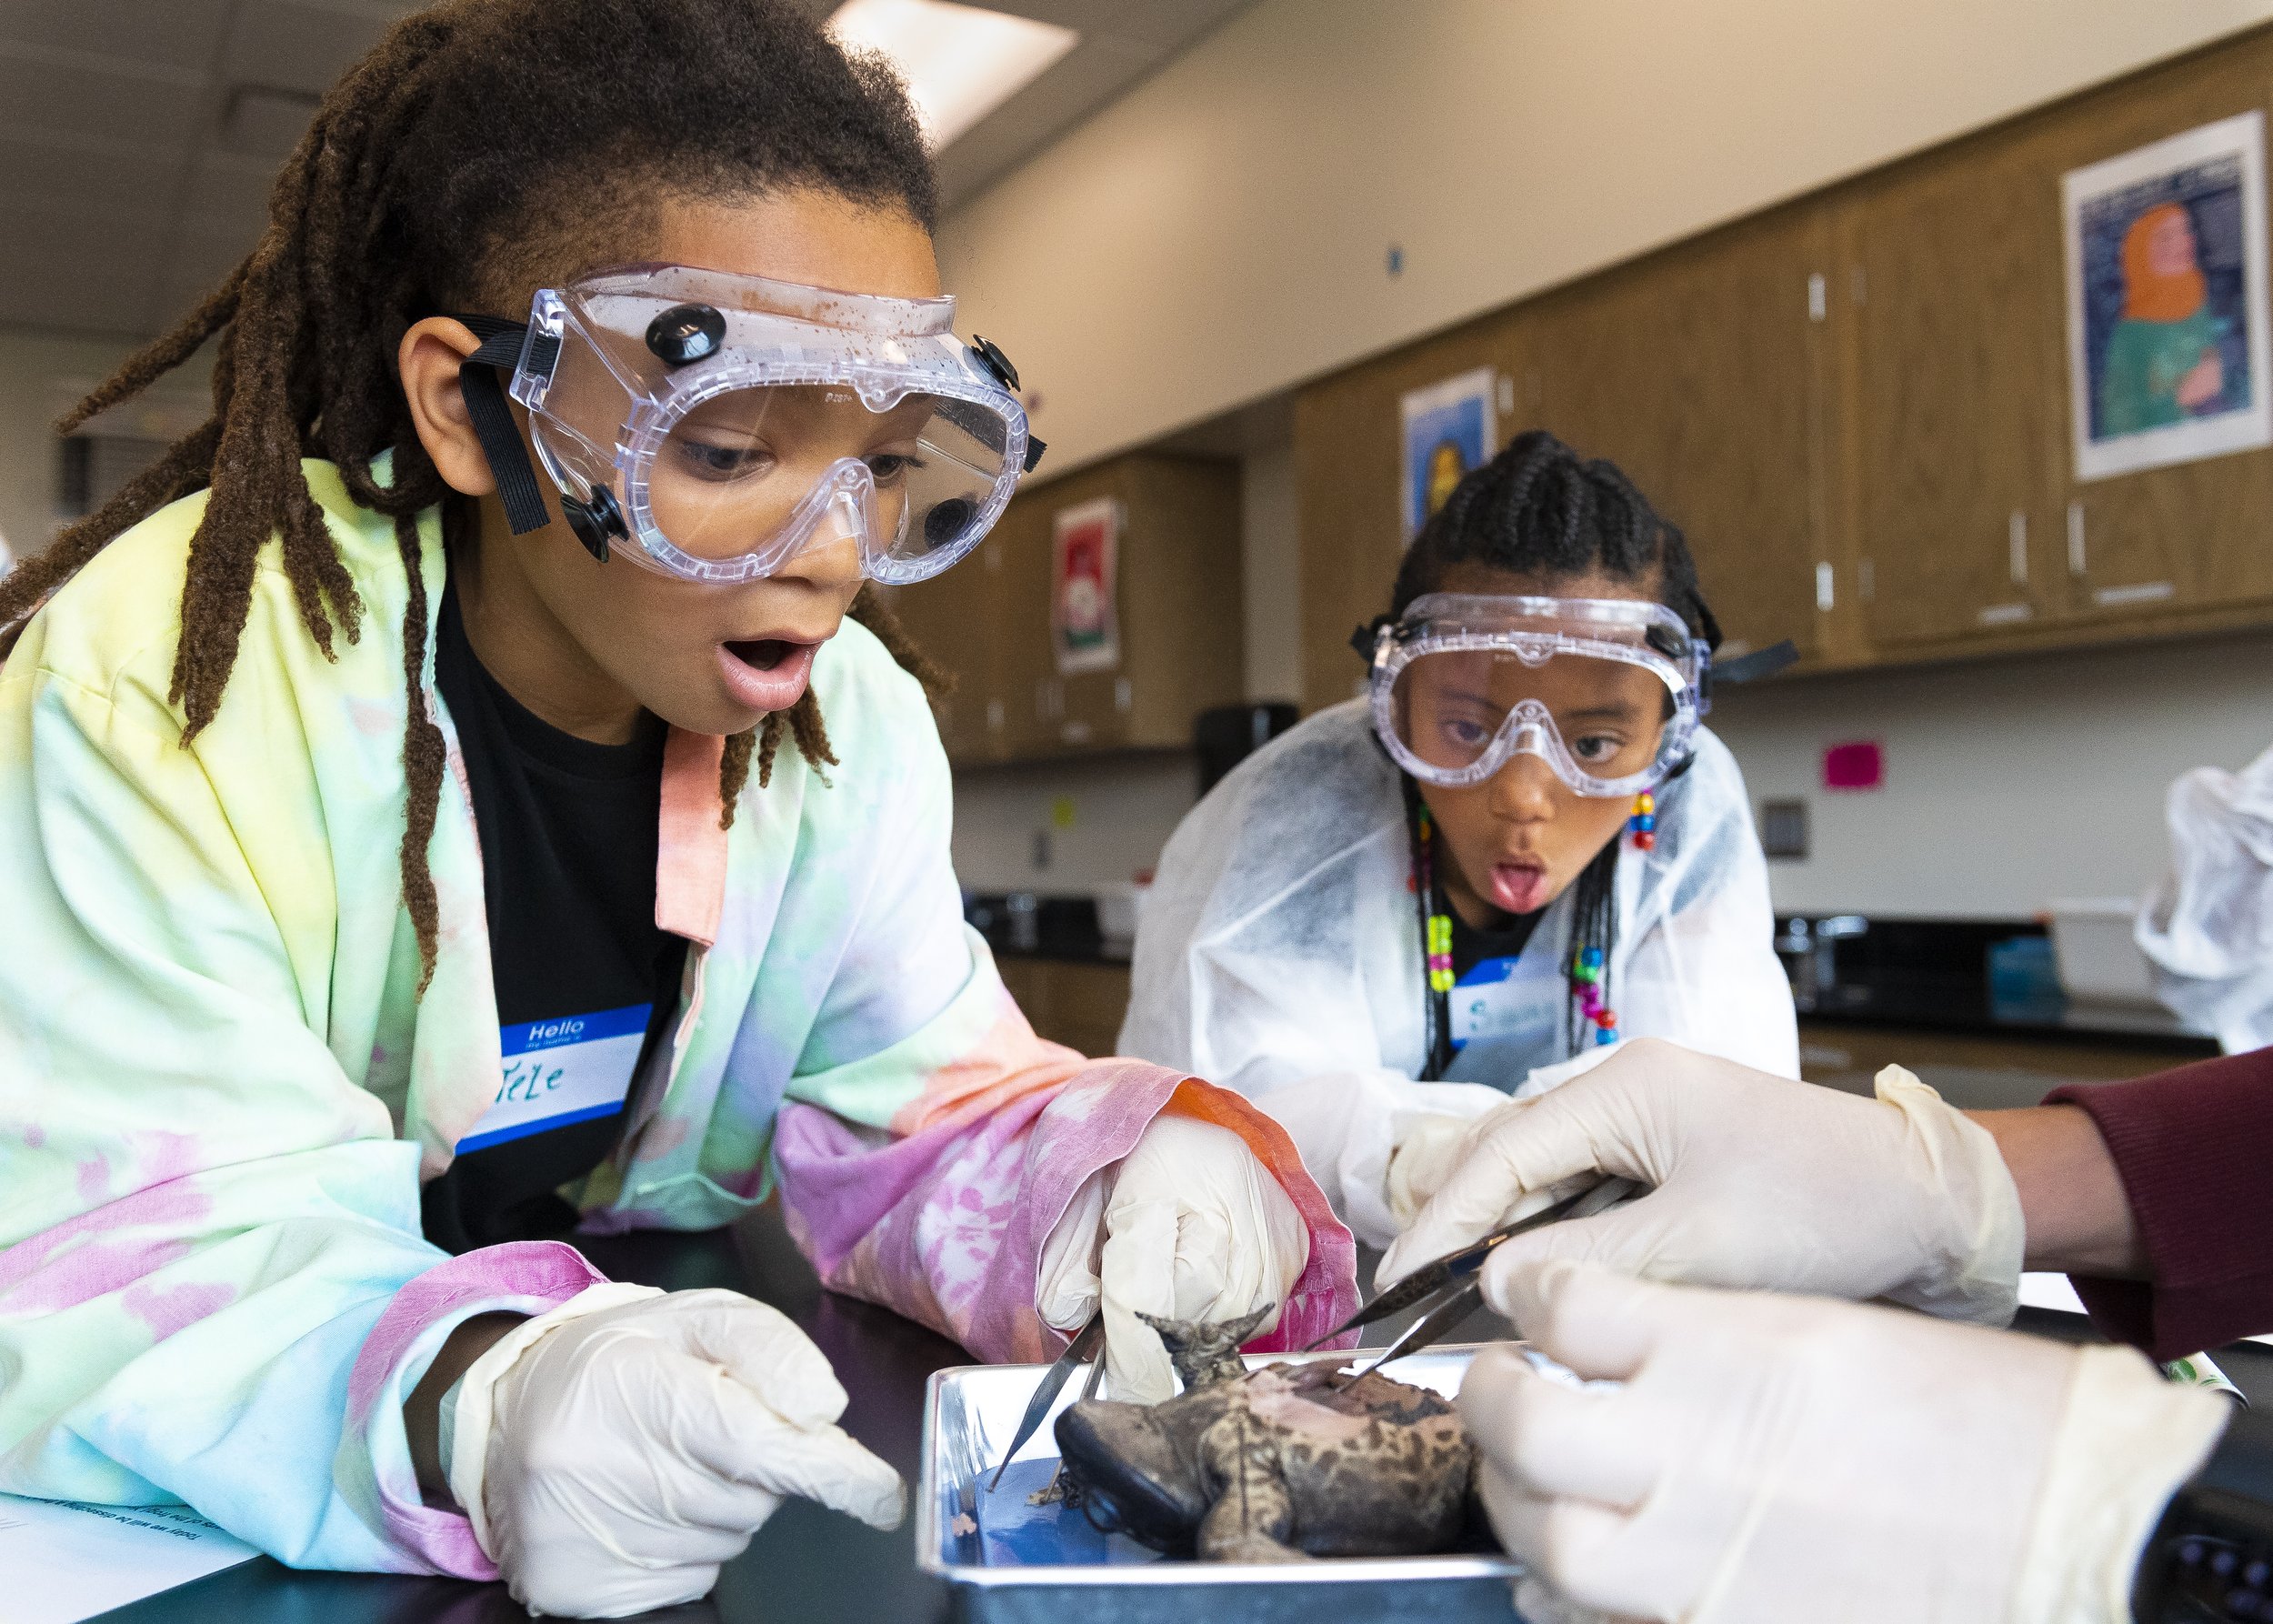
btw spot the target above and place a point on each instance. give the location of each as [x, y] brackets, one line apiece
[2194, 1149]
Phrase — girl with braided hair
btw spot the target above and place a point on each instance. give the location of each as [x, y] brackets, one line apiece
[465, 791]
[1519, 849]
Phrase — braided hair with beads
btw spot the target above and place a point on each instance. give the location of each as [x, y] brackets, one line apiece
[1540, 510]
[469, 158]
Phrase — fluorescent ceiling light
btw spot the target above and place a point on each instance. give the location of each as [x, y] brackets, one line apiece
[960, 62]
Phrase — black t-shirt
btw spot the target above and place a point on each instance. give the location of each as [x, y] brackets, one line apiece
[1471, 946]
[568, 832]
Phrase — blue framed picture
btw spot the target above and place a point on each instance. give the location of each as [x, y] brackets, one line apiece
[1449, 428]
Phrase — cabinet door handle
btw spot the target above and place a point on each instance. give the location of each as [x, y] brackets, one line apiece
[1826, 586]
[1123, 694]
[2077, 564]
[2017, 538]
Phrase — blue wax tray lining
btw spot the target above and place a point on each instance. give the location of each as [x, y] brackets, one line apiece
[1014, 1533]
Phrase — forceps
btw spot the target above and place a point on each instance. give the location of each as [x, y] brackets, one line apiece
[1083, 1348]
[1452, 1281]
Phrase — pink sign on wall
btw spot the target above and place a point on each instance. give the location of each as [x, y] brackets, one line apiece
[1861, 764]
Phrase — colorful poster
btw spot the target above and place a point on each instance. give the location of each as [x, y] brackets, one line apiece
[1085, 625]
[1449, 428]
[2167, 319]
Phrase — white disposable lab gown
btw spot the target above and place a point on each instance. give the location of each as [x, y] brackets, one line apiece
[2207, 929]
[1279, 953]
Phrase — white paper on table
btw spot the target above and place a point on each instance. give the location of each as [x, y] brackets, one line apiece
[2052, 1291]
[65, 1561]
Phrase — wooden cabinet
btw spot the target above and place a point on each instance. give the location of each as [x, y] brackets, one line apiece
[955, 618]
[1080, 1005]
[2192, 536]
[1347, 450]
[1702, 373]
[1856, 406]
[1974, 528]
[1957, 301]
[1178, 602]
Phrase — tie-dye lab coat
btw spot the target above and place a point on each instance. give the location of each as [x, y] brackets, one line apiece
[219, 1089]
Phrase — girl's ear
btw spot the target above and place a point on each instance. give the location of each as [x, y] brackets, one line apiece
[428, 361]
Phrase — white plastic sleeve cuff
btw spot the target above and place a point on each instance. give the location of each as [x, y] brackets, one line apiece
[2125, 1441]
[1978, 1277]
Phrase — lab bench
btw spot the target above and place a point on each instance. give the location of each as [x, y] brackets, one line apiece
[807, 1565]
[1967, 1005]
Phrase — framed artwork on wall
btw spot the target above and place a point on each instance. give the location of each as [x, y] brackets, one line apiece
[2167, 309]
[1449, 428]
[1085, 563]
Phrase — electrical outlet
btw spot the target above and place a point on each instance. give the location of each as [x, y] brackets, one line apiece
[1784, 827]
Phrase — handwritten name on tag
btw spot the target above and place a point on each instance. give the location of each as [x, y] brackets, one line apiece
[556, 1072]
[1507, 998]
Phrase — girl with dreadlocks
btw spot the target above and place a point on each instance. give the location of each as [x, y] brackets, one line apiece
[1519, 849]
[419, 834]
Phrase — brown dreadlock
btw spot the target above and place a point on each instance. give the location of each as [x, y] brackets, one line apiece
[467, 160]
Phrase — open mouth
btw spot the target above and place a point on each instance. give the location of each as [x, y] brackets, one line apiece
[764, 654]
[766, 674]
[1520, 887]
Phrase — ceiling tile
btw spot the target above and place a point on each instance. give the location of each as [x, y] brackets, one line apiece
[201, 257]
[227, 192]
[296, 45]
[175, 298]
[182, 34]
[99, 176]
[62, 270]
[203, 254]
[141, 108]
[74, 306]
[262, 123]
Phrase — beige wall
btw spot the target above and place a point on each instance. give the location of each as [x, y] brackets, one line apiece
[2009, 784]
[37, 371]
[1221, 232]
[40, 373]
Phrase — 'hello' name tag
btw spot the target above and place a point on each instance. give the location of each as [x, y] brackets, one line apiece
[561, 1071]
[1505, 1001]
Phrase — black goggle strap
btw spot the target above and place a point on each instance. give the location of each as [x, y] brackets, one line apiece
[1745, 668]
[491, 414]
[1367, 637]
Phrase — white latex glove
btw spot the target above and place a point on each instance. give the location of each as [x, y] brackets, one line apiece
[1759, 1182]
[611, 1454]
[1431, 1145]
[1187, 1226]
[1780, 1459]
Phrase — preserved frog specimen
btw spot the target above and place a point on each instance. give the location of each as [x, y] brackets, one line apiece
[1276, 1465]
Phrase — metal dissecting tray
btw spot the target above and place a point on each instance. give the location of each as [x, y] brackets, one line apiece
[1064, 1573]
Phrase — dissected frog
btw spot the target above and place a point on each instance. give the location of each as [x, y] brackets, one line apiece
[1276, 1465]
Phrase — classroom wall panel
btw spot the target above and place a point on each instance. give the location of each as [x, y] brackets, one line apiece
[1223, 231]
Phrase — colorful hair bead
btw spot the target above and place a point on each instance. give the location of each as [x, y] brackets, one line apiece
[1641, 826]
[1440, 953]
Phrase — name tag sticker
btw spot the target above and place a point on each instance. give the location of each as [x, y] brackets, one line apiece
[1505, 998]
[556, 1072]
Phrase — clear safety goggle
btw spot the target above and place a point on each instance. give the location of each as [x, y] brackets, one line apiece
[721, 424]
[1607, 691]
